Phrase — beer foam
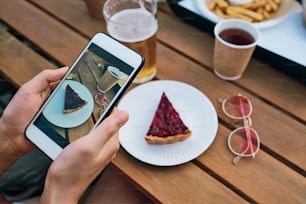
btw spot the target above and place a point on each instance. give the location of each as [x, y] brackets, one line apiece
[132, 25]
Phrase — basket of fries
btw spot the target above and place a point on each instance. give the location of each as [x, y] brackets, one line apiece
[264, 13]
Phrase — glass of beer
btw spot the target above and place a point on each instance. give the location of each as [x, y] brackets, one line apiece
[134, 23]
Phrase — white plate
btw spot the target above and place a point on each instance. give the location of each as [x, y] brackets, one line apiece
[53, 112]
[287, 7]
[195, 109]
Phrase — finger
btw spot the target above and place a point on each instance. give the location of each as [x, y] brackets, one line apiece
[43, 80]
[109, 149]
[108, 128]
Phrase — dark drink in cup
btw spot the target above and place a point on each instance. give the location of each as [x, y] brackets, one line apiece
[235, 41]
[237, 36]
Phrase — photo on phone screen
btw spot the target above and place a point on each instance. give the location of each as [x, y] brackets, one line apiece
[84, 95]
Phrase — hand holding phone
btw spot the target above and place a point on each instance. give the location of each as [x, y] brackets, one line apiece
[85, 95]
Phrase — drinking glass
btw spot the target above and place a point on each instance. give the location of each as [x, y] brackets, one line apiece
[134, 23]
[243, 141]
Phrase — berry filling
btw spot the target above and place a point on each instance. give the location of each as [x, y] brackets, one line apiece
[166, 121]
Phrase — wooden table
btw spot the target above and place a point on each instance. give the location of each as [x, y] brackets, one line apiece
[37, 35]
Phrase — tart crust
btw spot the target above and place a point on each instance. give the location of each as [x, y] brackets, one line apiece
[152, 139]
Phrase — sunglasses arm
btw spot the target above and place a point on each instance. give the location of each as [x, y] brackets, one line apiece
[247, 125]
[236, 159]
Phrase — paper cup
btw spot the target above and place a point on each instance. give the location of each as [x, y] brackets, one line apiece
[232, 51]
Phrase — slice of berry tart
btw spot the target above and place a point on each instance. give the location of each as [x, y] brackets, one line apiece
[73, 101]
[167, 125]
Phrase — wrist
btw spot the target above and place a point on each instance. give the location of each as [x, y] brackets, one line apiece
[8, 152]
[53, 194]
[52, 198]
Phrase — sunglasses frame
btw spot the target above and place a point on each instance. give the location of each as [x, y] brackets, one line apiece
[247, 123]
[234, 117]
[249, 140]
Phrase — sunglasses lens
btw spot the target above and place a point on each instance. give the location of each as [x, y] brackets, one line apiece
[244, 141]
[238, 106]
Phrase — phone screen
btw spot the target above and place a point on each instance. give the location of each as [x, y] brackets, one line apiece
[84, 96]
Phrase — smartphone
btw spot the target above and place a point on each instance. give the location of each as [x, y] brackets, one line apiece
[86, 94]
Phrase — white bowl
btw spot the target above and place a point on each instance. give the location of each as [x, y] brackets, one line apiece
[287, 7]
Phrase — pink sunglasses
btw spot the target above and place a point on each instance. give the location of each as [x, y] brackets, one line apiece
[243, 141]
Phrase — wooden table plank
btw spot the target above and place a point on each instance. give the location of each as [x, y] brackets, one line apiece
[255, 176]
[178, 184]
[78, 17]
[18, 62]
[44, 31]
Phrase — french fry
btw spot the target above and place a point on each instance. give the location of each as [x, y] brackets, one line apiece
[268, 8]
[256, 11]
[277, 1]
[254, 5]
[246, 12]
[232, 12]
[212, 5]
[264, 13]
[273, 5]
[220, 13]
[222, 3]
